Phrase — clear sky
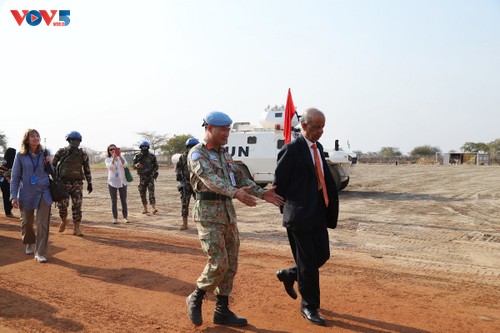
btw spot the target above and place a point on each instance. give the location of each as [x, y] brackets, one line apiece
[385, 72]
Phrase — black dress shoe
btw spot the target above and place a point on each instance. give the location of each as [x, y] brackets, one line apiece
[287, 282]
[312, 316]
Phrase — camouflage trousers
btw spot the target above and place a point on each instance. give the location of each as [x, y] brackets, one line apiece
[186, 195]
[147, 184]
[75, 191]
[221, 244]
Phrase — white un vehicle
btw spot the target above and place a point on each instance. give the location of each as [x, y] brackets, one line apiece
[255, 148]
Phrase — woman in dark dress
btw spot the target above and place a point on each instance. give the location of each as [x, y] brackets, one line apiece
[5, 172]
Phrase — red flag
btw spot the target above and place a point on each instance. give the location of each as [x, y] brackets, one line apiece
[289, 113]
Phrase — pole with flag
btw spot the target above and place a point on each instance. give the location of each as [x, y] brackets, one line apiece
[289, 113]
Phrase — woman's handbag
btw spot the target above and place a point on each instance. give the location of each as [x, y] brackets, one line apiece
[128, 174]
[57, 189]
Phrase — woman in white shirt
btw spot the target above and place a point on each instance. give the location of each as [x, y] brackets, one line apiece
[116, 181]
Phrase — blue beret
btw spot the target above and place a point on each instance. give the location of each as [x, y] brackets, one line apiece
[216, 118]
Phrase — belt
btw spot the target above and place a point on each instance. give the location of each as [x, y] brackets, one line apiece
[211, 196]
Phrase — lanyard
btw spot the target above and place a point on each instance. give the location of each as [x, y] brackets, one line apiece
[226, 167]
[37, 162]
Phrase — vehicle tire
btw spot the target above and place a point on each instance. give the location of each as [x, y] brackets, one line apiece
[343, 184]
[336, 176]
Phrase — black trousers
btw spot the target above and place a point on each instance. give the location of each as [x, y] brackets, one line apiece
[113, 192]
[310, 251]
[7, 204]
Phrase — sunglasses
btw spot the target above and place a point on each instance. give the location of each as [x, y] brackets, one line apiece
[111, 149]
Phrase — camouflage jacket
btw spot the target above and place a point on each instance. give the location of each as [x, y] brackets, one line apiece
[210, 171]
[149, 165]
[72, 164]
[181, 168]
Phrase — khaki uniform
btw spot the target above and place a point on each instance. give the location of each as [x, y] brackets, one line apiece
[215, 171]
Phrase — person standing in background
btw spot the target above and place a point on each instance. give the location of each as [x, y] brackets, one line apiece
[5, 174]
[182, 176]
[147, 168]
[115, 163]
[30, 192]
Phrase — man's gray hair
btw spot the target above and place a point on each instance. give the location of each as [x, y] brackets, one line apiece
[306, 117]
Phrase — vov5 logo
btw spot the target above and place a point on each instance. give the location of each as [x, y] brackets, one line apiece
[35, 17]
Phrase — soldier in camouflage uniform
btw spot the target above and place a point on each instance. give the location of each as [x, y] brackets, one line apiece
[216, 180]
[72, 166]
[147, 168]
[182, 176]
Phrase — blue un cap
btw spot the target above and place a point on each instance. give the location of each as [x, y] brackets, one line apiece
[217, 118]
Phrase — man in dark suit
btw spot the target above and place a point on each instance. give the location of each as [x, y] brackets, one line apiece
[311, 206]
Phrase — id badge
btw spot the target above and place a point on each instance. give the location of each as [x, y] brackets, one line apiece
[34, 179]
[233, 181]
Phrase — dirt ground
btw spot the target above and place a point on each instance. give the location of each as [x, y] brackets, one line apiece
[417, 250]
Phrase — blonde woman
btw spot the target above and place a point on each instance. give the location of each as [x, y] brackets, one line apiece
[117, 183]
[30, 192]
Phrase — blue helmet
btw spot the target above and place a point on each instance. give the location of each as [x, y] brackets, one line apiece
[191, 142]
[217, 118]
[144, 144]
[74, 135]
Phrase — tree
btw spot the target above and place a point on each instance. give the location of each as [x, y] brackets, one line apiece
[155, 140]
[481, 146]
[468, 147]
[494, 145]
[495, 150]
[390, 152]
[371, 154]
[474, 147]
[426, 150]
[92, 154]
[176, 144]
[358, 153]
[3, 141]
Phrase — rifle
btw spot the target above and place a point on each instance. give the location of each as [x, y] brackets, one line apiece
[182, 187]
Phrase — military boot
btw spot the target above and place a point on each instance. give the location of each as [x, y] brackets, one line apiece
[224, 316]
[76, 229]
[62, 226]
[193, 302]
[145, 209]
[154, 211]
[184, 225]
